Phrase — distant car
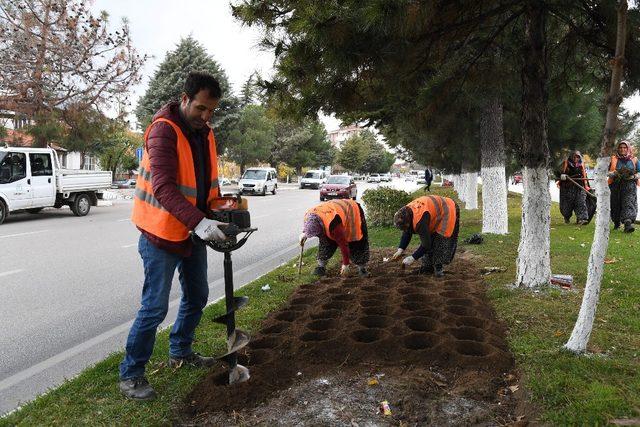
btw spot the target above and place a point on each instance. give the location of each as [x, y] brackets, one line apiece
[516, 178]
[374, 177]
[314, 179]
[258, 181]
[224, 181]
[339, 187]
[386, 177]
[127, 183]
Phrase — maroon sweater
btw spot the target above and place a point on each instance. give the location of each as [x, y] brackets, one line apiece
[161, 145]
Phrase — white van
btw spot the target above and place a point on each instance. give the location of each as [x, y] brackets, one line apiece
[258, 181]
[31, 179]
[314, 179]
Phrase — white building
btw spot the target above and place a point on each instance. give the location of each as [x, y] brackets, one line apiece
[339, 136]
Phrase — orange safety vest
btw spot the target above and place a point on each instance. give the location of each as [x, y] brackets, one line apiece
[347, 210]
[148, 213]
[614, 164]
[442, 211]
[565, 166]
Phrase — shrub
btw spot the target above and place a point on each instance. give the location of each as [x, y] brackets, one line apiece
[381, 203]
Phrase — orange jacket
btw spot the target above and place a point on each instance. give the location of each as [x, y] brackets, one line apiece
[614, 164]
[148, 213]
[349, 213]
[442, 211]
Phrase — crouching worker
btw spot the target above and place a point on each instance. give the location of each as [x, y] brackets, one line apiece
[436, 221]
[623, 179]
[338, 224]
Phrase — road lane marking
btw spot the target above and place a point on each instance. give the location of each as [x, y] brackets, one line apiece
[10, 272]
[129, 246]
[23, 234]
[36, 369]
[123, 220]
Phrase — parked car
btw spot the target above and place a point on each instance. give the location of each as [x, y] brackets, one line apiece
[339, 187]
[516, 178]
[386, 177]
[258, 181]
[127, 183]
[314, 179]
[224, 181]
[374, 177]
[31, 179]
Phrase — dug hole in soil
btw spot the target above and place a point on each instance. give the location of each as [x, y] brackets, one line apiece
[432, 348]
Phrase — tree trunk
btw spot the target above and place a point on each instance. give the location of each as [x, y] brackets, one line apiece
[533, 265]
[495, 217]
[470, 190]
[584, 324]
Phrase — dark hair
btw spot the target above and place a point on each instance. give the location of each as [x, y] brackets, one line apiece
[200, 80]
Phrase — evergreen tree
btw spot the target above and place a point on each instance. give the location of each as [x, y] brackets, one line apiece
[167, 85]
[252, 138]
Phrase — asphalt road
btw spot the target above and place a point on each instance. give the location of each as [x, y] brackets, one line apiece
[70, 287]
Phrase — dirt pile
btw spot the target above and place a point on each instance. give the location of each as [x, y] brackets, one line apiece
[436, 340]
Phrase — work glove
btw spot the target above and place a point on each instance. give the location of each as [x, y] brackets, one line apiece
[344, 271]
[408, 261]
[563, 177]
[396, 255]
[302, 238]
[208, 230]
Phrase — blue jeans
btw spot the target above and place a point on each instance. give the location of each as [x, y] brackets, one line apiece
[159, 267]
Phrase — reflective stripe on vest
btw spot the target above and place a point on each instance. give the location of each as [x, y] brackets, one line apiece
[148, 213]
[614, 164]
[349, 213]
[442, 212]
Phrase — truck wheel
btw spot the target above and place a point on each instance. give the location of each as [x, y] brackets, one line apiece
[3, 211]
[81, 205]
[34, 210]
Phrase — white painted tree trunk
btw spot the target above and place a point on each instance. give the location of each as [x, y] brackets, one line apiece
[533, 265]
[582, 329]
[495, 218]
[471, 190]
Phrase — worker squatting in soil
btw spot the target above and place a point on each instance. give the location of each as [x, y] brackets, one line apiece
[341, 223]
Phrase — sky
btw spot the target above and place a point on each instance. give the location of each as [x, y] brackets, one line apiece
[157, 26]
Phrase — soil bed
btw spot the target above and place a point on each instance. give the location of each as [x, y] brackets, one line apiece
[433, 346]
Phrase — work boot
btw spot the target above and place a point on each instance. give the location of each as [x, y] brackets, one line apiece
[628, 227]
[616, 225]
[426, 269]
[320, 271]
[567, 220]
[194, 359]
[137, 389]
[439, 271]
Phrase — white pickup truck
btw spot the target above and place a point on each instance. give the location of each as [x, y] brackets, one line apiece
[31, 179]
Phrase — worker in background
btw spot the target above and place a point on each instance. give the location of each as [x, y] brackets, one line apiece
[572, 176]
[428, 178]
[623, 180]
[338, 224]
[436, 221]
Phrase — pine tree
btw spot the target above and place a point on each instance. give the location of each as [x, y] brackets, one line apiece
[167, 85]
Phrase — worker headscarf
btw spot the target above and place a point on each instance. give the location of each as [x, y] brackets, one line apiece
[629, 153]
[312, 226]
[403, 218]
[572, 155]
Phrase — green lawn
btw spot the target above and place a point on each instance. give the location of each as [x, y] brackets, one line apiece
[569, 389]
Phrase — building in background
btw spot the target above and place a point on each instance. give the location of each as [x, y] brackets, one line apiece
[339, 136]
